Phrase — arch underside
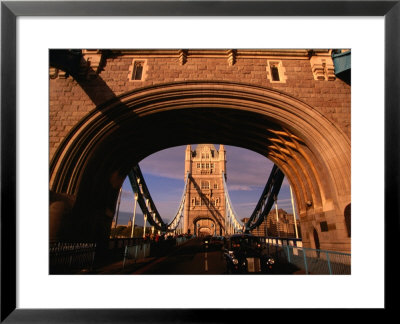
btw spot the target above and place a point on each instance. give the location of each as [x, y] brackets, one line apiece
[93, 161]
[206, 224]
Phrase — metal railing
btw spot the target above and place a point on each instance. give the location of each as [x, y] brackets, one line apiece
[181, 240]
[283, 241]
[151, 249]
[71, 257]
[119, 243]
[312, 261]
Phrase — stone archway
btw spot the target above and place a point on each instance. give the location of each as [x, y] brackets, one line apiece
[204, 231]
[203, 224]
[93, 160]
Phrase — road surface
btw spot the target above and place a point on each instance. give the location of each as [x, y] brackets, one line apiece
[191, 258]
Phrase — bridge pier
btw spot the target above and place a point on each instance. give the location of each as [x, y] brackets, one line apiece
[325, 230]
[59, 211]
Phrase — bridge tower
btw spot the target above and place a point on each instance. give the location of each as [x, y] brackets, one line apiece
[204, 212]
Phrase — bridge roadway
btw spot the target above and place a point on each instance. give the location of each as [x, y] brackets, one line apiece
[190, 258]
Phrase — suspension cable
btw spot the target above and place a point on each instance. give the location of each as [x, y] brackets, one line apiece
[267, 199]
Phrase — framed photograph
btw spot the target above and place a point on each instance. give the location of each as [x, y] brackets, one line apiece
[34, 34]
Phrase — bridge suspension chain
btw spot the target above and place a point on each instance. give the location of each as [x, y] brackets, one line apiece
[144, 199]
[232, 222]
[269, 195]
[179, 214]
[147, 205]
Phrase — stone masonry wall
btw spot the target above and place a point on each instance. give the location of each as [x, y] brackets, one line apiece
[71, 100]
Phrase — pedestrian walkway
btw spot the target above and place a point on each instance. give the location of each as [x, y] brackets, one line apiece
[131, 266]
[119, 268]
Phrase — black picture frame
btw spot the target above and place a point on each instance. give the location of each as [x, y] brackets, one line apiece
[10, 10]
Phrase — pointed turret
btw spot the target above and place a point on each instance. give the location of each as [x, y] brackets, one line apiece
[222, 158]
[188, 159]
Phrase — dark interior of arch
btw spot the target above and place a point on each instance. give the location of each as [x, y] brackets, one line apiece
[132, 141]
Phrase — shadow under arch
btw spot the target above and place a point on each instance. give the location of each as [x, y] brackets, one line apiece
[95, 157]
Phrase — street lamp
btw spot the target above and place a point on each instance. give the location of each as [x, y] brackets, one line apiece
[277, 218]
[294, 212]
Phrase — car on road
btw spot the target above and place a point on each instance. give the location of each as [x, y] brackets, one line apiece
[217, 242]
[213, 243]
[206, 242]
[246, 253]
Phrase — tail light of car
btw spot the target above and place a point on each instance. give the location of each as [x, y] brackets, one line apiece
[270, 261]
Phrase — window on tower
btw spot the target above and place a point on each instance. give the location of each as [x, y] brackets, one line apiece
[205, 185]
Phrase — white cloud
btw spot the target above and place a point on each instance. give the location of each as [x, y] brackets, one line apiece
[239, 188]
[168, 163]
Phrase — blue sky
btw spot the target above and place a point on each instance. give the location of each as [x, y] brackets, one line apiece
[163, 171]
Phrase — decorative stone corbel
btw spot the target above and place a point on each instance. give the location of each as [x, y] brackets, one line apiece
[322, 66]
[53, 72]
[231, 57]
[62, 74]
[182, 56]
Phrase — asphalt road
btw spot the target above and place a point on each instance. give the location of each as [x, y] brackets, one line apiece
[191, 258]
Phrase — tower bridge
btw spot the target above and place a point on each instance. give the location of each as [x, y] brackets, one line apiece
[205, 207]
[109, 109]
